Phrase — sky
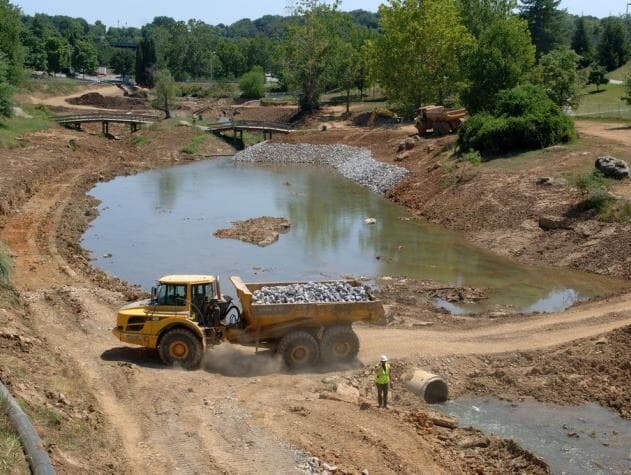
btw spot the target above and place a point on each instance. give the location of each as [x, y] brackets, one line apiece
[139, 12]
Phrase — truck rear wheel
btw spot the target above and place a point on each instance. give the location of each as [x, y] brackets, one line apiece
[299, 350]
[340, 344]
[181, 346]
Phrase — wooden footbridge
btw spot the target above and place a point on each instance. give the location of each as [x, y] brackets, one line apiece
[135, 121]
[238, 126]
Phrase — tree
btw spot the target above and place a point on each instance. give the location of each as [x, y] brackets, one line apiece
[417, 56]
[57, 54]
[84, 56]
[310, 50]
[613, 50]
[544, 21]
[146, 62]
[582, 42]
[477, 15]
[165, 91]
[627, 90]
[598, 76]
[10, 43]
[560, 76]
[252, 84]
[123, 62]
[502, 59]
[6, 89]
[348, 70]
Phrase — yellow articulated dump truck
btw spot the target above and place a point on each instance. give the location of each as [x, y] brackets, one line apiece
[188, 313]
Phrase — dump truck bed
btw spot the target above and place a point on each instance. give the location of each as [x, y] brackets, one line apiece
[269, 321]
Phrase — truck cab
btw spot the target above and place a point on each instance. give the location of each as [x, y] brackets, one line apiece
[190, 306]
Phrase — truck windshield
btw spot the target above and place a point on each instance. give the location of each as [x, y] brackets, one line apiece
[171, 294]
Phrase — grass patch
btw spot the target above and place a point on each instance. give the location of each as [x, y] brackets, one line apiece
[606, 103]
[12, 459]
[193, 147]
[140, 140]
[621, 73]
[50, 86]
[13, 129]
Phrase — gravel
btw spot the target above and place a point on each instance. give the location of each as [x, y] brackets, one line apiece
[312, 292]
[353, 163]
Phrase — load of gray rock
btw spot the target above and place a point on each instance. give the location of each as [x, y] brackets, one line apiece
[613, 167]
[312, 292]
[353, 163]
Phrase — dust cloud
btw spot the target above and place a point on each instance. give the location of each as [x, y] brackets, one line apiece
[229, 360]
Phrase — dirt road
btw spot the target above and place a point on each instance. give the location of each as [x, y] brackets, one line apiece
[262, 420]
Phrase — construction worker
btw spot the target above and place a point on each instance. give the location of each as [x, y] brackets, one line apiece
[382, 380]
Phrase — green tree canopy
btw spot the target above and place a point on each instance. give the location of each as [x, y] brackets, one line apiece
[58, 53]
[310, 50]
[598, 76]
[417, 58]
[479, 14]
[502, 59]
[10, 43]
[613, 50]
[84, 56]
[123, 61]
[545, 23]
[252, 84]
[6, 89]
[165, 91]
[560, 76]
[582, 42]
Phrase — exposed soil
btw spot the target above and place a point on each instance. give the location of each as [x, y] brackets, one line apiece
[262, 231]
[105, 407]
[107, 102]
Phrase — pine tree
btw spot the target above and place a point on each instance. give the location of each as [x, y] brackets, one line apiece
[582, 42]
[544, 22]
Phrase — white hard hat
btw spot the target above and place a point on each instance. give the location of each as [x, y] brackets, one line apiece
[383, 358]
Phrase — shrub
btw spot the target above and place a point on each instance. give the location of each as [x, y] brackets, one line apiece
[5, 265]
[525, 119]
[252, 84]
[595, 189]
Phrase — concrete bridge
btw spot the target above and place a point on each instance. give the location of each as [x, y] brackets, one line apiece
[134, 120]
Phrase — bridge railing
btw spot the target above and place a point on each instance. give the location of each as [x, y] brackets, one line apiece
[255, 124]
[103, 116]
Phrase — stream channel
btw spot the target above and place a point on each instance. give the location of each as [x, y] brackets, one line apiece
[572, 440]
[162, 222]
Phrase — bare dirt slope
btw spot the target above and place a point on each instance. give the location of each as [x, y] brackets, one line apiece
[213, 421]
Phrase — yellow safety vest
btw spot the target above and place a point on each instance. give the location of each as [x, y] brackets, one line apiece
[382, 375]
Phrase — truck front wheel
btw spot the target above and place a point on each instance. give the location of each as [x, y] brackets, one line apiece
[181, 346]
[339, 344]
[299, 349]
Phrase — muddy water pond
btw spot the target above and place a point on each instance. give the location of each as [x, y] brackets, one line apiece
[572, 440]
[161, 222]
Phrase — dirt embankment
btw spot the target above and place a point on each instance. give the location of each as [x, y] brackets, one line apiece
[499, 203]
[109, 408]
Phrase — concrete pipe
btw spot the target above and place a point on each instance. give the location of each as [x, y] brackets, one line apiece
[431, 387]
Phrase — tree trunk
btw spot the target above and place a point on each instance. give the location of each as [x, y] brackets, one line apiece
[348, 103]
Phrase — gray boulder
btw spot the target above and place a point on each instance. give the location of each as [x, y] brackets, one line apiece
[613, 167]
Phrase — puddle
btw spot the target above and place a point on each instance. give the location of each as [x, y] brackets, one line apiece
[572, 440]
[161, 222]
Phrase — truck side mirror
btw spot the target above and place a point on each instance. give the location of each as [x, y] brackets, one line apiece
[154, 293]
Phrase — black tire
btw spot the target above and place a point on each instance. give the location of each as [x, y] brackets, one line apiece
[340, 344]
[299, 349]
[181, 346]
